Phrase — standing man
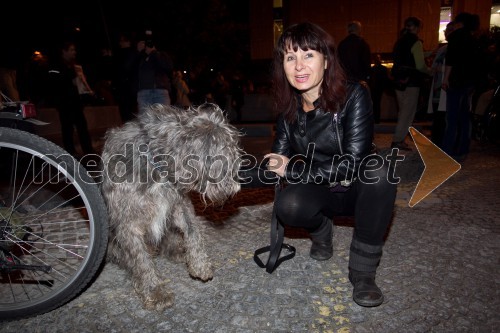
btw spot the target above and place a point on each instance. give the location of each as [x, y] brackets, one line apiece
[155, 73]
[460, 77]
[437, 96]
[408, 73]
[354, 53]
[63, 76]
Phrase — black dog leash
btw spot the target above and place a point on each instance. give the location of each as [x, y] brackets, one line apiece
[277, 236]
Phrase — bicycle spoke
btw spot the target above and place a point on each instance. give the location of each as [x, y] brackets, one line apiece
[53, 226]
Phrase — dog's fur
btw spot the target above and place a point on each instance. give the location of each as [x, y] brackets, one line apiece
[146, 185]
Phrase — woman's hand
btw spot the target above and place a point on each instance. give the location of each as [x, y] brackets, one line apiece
[277, 163]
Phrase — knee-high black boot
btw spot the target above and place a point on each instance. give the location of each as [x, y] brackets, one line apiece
[363, 262]
[322, 243]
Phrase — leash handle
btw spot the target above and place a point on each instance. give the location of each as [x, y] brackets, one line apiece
[276, 244]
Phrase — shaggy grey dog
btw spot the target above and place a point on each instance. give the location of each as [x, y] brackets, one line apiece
[150, 166]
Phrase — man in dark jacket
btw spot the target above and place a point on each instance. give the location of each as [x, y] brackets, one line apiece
[64, 95]
[354, 53]
[459, 81]
[155, 74]
[408, 72]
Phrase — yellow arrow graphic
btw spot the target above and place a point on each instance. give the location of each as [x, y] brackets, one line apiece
[438, 167]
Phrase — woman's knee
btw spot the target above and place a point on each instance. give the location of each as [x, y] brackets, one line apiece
[298, 206]
[380, 178]
[289, 211]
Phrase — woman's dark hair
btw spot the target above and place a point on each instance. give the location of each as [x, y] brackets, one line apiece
[411, 22]
[307, 36]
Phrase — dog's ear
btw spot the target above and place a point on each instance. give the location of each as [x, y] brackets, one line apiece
[213, 112]
[208, 108]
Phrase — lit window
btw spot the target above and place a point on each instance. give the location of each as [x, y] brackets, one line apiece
[444, 19]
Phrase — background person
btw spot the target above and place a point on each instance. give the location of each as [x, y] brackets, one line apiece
[460, 78]
[408, 73]
[154, 74]
[181, 90]
[317, 106]
[354, 53]
[437, 96]
[63, 74]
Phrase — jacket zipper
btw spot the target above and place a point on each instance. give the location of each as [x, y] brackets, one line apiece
[336, 124]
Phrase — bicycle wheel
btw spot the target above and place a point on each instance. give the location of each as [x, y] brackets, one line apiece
[53, 226]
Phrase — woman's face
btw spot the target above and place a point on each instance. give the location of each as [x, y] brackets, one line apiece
[304, 70]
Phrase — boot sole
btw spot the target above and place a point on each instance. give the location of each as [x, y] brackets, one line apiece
[321, 258]
[369, 304]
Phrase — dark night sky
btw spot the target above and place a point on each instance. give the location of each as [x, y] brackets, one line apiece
[214, 31]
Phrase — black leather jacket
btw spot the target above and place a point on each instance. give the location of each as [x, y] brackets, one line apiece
[318, 139]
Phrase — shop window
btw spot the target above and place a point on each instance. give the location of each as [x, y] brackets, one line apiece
[495, 15]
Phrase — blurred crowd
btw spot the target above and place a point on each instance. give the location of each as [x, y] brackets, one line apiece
[112, 75]
[115, 75]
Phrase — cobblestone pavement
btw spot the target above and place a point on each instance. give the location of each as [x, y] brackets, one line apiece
[440, 270]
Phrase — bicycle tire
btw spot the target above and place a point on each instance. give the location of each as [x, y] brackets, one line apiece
[53, 216]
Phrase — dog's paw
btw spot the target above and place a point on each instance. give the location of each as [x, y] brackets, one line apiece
[206, 277]
[158, 299]
[204, 273]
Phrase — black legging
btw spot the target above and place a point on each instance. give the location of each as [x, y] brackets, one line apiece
[305, 205]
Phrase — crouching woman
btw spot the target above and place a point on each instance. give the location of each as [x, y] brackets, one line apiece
[324, 116]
